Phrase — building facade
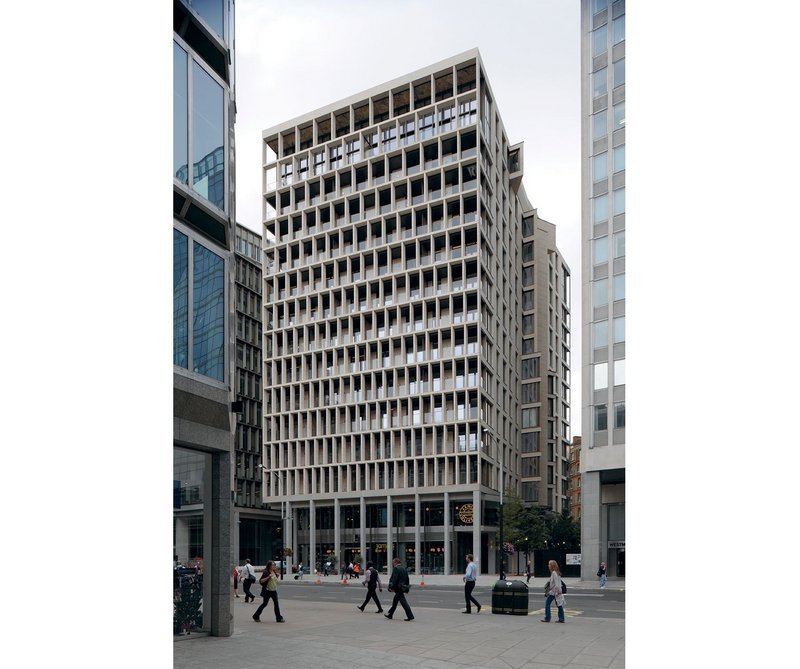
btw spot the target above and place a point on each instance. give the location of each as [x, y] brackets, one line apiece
[203, 268]
[603, 285]
[408, 287]
[575, 479]
[254, 525]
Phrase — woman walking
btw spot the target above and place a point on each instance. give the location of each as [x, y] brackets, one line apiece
[602, 574]
[269, 590]
[236, 581]
[554, 593]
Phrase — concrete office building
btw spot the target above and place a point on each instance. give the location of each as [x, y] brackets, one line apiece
[416, 326]
[254, 525]
[203, 230]
[603, 289]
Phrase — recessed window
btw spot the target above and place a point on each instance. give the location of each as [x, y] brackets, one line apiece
[599, 40]
[600, 293]
[600, 167]
[619, 287]
[619, 29]
[619, 415]
[619, 372]
[619, 159]
[600, 374]
[619, 244]
[600, 209]
[599, 82]
[600, 334]
[619, 330]
[619, 73]
[619, 201]
[600, 124]
[619, 116]
[600, 250]
[600, 417]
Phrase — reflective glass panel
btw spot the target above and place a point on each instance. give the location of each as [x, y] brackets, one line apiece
[600, 167]
[619, 115]
[619, 330]
[600, 250]
[619, 158]
[599, 84]
[208, 137]
[600, 293]
[619, 287]
[619, 201]
[600, 334]
[600, 124]
[619, 244]
[600, 208]
[180, 299]
[208, 303]
[212, 12]
[599, 40]
[600, 417]
[180, 114]
[601, 376]
[619, 73]
[619, 372]
[619, 29]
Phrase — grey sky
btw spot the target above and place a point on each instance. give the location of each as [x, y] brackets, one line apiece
[294, 57]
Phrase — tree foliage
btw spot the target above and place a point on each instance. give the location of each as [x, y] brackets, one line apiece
[565, 532]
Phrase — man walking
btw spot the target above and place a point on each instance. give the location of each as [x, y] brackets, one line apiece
[398, 584]
[469, 584]
[249, 577]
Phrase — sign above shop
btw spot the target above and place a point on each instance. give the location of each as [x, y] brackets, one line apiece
[465, 514]
[616, 544]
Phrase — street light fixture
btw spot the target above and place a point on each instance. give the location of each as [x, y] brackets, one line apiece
[501, 546]
[283, 517]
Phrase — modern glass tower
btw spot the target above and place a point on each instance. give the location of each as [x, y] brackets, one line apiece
[202, 232]
[603, 290]
[416, 324]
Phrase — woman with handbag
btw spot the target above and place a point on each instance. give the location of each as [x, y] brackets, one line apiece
[601, 573]
[269, 590]
[553, 592]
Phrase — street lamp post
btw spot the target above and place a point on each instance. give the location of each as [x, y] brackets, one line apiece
[501, 547]
[283, 518]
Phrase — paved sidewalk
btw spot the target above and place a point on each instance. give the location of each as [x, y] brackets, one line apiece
[333, 634]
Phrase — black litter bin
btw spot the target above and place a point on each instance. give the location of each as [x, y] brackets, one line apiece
[510, 597]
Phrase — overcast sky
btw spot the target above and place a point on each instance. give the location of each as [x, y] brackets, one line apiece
[293, 58]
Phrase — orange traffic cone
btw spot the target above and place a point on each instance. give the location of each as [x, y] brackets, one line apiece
[317, 581]
[344, 581]
[422, 581]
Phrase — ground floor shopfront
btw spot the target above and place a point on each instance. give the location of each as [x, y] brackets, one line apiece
[430, 533]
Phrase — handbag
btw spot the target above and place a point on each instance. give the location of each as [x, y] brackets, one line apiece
[404, 588]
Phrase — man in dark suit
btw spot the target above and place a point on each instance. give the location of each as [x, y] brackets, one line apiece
[398, 584]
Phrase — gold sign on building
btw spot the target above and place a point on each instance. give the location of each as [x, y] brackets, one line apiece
[465, 514]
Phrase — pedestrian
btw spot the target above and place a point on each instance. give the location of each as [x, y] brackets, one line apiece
[470, 577]
[373, 582]
[528, 572]
[350, 571]
[357, 570]
[269, 590]
[399, 585]
[553, 590]
[300, 571]
[327, 568]
[236, 581]
[602, 574]
[249, 575]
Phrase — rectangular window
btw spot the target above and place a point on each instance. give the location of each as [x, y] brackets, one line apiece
[619, 415]
[619, 201]
[406, 132]
[600, 250]
[388, 139]
[180, 299]
[619, 287]
[353, 151]
[619, 159]
[319, 162]
[208, 137]
[619, 73]
[619, 116]
[600, 293]
[619, 330]
[619, 244]
[619, 29]
[334, 157]
[180, 114]
[599, 40]
[600, 209]
[204, 342]
[600, 417]
[600, 124]
[619, 372]
[600, 167]
[600, 334]
[600, 373]
[599, 82]
[597, 5]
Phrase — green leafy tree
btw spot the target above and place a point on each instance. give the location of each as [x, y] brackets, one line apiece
[565, 532]
[534, 529]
